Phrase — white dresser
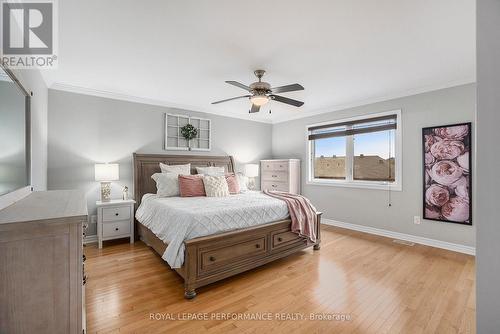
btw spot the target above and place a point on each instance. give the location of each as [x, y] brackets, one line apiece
[280, 174]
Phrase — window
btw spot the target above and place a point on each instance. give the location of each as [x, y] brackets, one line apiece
[358, 152]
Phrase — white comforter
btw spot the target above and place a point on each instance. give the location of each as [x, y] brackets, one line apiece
[176, 219]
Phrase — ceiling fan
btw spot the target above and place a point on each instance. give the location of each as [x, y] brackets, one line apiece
[261, 93]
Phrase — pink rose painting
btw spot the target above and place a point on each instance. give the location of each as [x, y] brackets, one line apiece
[446, 173]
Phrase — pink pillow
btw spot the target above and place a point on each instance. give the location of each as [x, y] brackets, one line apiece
[191, 185]
[232, 184]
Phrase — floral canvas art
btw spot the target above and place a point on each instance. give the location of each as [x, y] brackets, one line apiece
[447, 173]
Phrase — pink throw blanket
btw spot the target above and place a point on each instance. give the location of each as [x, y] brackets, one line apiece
[302, 213]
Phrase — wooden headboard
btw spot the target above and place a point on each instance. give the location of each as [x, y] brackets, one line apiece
[146, 165]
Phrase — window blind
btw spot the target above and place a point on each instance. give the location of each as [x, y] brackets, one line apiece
[342, 129]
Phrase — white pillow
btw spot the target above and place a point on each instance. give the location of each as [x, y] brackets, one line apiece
[167, 184]
[176, 169]
[211, 171]
[242, 182]
[215, 186]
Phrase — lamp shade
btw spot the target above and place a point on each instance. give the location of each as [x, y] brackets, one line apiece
[251, 170]
[107, 172]
[259, 100]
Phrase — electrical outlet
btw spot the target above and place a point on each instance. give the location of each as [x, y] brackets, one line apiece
[417, 220]
[93, 219]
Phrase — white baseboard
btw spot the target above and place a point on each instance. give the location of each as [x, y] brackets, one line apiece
[402, 236]
[90, 239]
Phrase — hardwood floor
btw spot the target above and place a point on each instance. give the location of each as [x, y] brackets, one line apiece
[384, 287]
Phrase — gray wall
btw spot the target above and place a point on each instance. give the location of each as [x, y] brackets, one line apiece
[370, 207]
[488, 182]
[86, 129]
[33, 81]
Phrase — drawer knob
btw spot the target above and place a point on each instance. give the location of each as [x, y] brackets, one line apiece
[280, 239]
[257, 245]
[211, 258]
[274, 175]
[116, 214]
[116, 228]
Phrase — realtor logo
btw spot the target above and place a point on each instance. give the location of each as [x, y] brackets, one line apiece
[28, 33]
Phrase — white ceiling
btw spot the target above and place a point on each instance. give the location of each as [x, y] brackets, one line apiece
[344, 52]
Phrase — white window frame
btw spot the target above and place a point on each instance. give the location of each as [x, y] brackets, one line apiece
[189, 119]
[349, 182]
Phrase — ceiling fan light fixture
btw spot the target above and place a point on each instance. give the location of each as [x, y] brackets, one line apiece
[262, 92]
[259, 100]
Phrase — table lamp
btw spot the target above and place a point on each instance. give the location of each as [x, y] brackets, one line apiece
[105, 173]
[251, 171]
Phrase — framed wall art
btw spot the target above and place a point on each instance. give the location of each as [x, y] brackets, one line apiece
[175, 140]
[447, 173]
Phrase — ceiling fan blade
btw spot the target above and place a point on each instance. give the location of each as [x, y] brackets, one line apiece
[287, 88]
[237, 84]
[233, 98]
[254, 109]
[287, 100]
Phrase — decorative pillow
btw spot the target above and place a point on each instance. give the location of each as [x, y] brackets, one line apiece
[191, 185]
[242, 182]
[232, 183]
[215, 186]
[210, 171]
[176, 169]
[167, 184]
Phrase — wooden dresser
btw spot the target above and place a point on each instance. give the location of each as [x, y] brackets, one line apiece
[41, 263]
[280, 174]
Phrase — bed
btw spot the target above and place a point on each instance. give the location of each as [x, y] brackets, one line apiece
[222, 237]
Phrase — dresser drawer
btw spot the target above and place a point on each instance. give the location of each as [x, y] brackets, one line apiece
[230, 254]
[112, 229]
[113, 214]
[275, 176]
[270, 185]
[274, 166]
[287, 238]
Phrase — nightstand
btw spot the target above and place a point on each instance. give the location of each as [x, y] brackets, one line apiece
[115, 219]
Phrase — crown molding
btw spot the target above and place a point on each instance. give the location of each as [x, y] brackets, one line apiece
[388, 97]
[131, 98]
[136, 99]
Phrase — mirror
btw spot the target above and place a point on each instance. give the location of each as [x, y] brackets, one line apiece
[14, 134]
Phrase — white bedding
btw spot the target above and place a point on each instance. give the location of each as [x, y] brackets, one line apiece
[176, 219]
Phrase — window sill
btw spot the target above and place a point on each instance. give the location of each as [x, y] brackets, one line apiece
[359, 185]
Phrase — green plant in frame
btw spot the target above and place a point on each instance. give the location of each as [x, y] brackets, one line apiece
[189, 132]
